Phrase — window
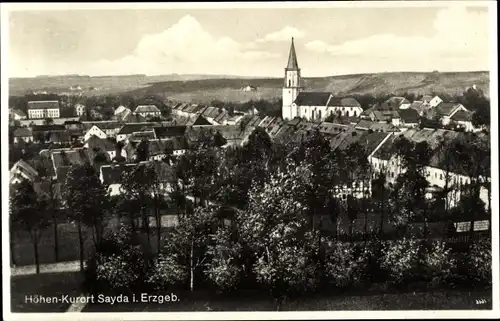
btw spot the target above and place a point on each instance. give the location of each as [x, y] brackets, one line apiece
[319, 114]
[441, 176]
[355, 114]
[289, 83]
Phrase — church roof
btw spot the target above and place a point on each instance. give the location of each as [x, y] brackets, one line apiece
[292, 58]
[312, 98]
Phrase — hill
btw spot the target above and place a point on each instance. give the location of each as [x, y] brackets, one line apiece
[267, 88]
[205, 88]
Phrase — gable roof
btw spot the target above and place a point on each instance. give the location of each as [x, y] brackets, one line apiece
[397, 101]
[128, 129]
[169, 131]
[26, 168]
[146, 109]
[103, 144]
[311, 98]
[22, 132]
[446, 109]
[138, 136]
[349, 102]
[462, 115]
[45, 128]
[43, 104]
[18, 112]
[409, 115]
[112, 174]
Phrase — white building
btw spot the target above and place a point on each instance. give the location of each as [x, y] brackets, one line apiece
[79, 109]
[311, 105]
[95, 131]
[435, 101]
[16, 114]
[43, 109]
[148, 111]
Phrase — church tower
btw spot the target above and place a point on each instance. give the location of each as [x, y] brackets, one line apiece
[291, 85]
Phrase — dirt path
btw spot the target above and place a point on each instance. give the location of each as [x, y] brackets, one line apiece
[71, 266]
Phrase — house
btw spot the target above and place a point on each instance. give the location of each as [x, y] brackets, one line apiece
[22, 170]
[398, 102]
[147, 111]
[383, 113]
[64, 158]
[120, 109]
[79, 109]
[111, 175]
[249, 88]
[23, 134]
[446, 110]
[129, 117]
[17, 114]
[42, 133]
[104, 145]
[167, 132]
[463, 119]
[376, 126]
[128, 129]
[95, 131]
[43, 109]
[426, 99]
[434, 102]
[110, 128]
[420, 106]
[140, 136]
[198, 120]
[59, 137]
[384, 159]
[409, 117]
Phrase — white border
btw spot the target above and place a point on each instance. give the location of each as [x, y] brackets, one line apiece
[252, 315]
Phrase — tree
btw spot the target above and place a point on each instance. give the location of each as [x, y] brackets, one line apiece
[189, 240]
[225, 269]
[142, 151]
[48, 121]
[28, 213]
[86, 199]
[274, 227]
[135, 187]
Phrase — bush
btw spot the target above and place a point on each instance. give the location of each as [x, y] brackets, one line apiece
[439, 263]
[474, 265]
[118, 265]
[402, 260]
[344, 266]
[166, 272]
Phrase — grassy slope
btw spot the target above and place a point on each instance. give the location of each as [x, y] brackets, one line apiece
[205, 90]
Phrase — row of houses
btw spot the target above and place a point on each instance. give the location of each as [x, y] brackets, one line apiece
[43, 109]
[214, 115]
[400, 112]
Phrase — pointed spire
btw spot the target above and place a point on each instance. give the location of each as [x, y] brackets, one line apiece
[292, 58]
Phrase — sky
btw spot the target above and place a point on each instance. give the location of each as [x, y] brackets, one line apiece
[247, 42]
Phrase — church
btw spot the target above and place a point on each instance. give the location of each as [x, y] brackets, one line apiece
[311, 105]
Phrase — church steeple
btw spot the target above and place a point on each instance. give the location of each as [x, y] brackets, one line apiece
[291, 86]
[292, 59]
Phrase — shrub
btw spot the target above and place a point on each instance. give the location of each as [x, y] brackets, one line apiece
[118, 265]
[344, 266]
[166, 272]
[439, 263]
[402, 260]
[480, 262]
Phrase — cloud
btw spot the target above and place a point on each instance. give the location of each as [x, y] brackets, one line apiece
[282, 35]
[460, 34]
[185, 47]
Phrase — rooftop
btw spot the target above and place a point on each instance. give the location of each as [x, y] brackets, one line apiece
[43, 104]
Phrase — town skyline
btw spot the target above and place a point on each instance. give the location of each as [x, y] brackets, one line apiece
[337, 41]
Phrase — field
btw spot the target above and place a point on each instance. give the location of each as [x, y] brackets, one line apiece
[198, 88]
